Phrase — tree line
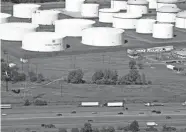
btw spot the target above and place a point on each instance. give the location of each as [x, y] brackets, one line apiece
[111, 77]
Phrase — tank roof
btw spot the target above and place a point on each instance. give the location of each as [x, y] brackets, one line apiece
[75, 21]
[109, 10]
[107, 30]
[182, 14]
[168, 9]
[19, 25]
[4, 15]
[27, 5]
[137, 2]
[127, 15]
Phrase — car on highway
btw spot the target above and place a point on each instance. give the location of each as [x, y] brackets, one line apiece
[73, 112]
[154, 104]
[3, 114]
[151, 124]
[59, 114]
[168, 117]
[120, 113]
[141, 113]
[153, 111]
[158, 112]
[94, 112]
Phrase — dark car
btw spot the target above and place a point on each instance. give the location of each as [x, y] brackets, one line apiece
[73, 112]
[158, 112]
[120, 113]
[90, 120]
[59, 114]
[168, 117]
[153, 111]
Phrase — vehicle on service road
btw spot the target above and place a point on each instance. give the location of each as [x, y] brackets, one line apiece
[151, 124]
[184, 104]
[3, 114]
[120, 113]
[59, 114]
[6, 106]
[73, 112]
[168, 117]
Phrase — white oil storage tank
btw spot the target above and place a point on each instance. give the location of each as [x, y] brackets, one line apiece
[137, 6]
[162, 31]
[90, 10]
[45, 17]
[152, 4]
[125, 20]
[181, 20]
[16, 31]
[119, 4]
[106, 14]
[42, 42]
[102, 36]
[72, 27]
[167, 14]
[145, 26]
[4, 17]
[161, 3]
[73, 5]
[24, 10]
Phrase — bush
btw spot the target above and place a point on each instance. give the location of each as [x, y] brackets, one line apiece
[140, 65]
[95, 130]
[149, 82]
[40, 78]
[75, 76]
[87, 127]
[132, 64]
[33, 76]
[98, 75]
[110, 129]
[74, 130]
[134, 126]
[62, 130]
[39, 102]
[27, 102]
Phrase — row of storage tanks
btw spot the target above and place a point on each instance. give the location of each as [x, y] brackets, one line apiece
[99, 36]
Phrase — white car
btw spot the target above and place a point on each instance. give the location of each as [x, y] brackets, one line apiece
[151, 124]
[3, 114]
[184, 104]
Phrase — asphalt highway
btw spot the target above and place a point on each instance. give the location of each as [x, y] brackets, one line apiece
[31, 117]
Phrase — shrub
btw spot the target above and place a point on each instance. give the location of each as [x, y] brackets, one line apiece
[110, 129]
[40, 78]
[132, 64]
[98, 75]
[87, 127]
[140, 65]
[134, 126]
[75, 76]
[62, 130]
[39, 102]
[27, 102]
[95, 130]
[149, 82]
[74, 130]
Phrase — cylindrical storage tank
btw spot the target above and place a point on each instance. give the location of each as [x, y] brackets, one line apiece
[167, 14]
[73, 5]
[137, 6]
[125, 20]
[4, 17]
[106, 14]
[42, 42]
[161, 3]
[152, 4]
[162, 31]
[181, 20]
[102, 36]
[72, 27]
[24, 10]
[90, 10]
[16, 31]
[45, 17]
[119, 4]
[145, 26]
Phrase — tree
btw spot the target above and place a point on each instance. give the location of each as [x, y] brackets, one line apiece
[62, 130]
[75, 76]
[87, 127]
[134, 126]
[40, 77]
[74, 130]
[103, 129]
[110, 129]
[132, 64]
[140, 65]
[144, 82]
[39, 102]
[95, 130]
[98, 75]
[27, 102]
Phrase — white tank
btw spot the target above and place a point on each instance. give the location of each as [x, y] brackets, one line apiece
[45, 17]
[161, 3]
[167, 14]
[137, 6]
[4, 17]
[73, 5]
[106, 14]
[90, 10]
[119, 4]
[181, 20]
[24, 10]
[16, 31]
[42, 42]
[102, 36]
[72, 27]
[125, 20]
[145, 26]
[162, 31]
[152, 4]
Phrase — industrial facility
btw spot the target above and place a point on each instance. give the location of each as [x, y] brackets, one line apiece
[137, 16]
